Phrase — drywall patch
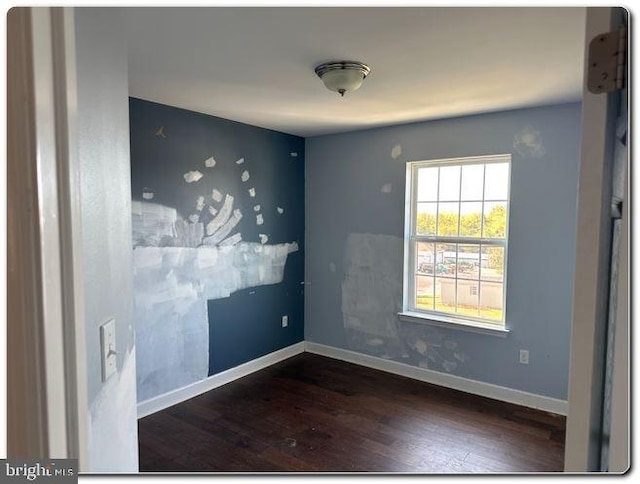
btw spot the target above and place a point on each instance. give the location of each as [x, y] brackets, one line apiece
[210, 162]
[240, 161]
[152, 222]
[280, 210]
[147, 195]
[372, 293]
[200, 204]
[245, 176]
[222, 217]
[396, 151]
[113, 422]
[171, 289]
[160, 132]
[216, 195]
[528, 143]
[259, 219]
[192, 176]
[225, 230]
[386, 188]
[431, 347]
[252, 192]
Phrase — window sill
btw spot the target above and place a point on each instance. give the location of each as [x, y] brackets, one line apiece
[452, 323]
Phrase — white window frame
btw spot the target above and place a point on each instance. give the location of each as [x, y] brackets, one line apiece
[410, 310]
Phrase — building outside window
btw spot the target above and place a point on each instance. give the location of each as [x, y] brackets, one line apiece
[457, 226]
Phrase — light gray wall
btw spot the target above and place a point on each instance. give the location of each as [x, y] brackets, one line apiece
[103, 134]
[355, 200]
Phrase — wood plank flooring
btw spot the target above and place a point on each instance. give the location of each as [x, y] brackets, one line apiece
[316, 414]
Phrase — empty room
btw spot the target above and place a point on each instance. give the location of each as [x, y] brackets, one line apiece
[318, 239]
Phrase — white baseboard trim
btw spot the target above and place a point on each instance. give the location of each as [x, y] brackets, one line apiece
[214, 381]
[488, 390]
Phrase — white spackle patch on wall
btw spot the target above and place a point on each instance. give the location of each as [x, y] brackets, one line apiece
[216, 195]
[421, 347]
[294, 154]
[245, 176]
[151, 222]
[528, 143]
[372, 293]
[240, 161]
[233, 240]
[113, 422]
[200, 204]
[332, 267]
[171, 288]
[396, 151]
[212, 210]
[264, 238]
[280, 210]
[225, 230]
[256, 208]
[194, 218]
[210, 162]
[259, 219]
[147, 195]
[430, 348]
[192, 176]
[386, 188]
[252, 192]
[449, 366]
[222, 217]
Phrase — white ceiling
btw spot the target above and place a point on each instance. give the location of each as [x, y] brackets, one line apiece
[255, 65]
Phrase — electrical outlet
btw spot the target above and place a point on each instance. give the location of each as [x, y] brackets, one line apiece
[285, 321]
[524, 357]
[108, 349]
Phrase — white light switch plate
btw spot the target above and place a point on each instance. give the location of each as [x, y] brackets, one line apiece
[108, 349]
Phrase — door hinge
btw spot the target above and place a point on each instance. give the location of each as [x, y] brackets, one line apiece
[607, 61]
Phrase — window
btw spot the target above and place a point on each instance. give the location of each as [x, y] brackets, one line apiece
[457, 224]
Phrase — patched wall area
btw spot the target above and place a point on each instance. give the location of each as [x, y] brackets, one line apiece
[355, 207]
[218, 221]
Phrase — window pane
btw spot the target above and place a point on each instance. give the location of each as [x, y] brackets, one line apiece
[428, 184]
[491, 304]
[445, 300]
[468, 261]
[446, 260]
[495, 220]
[425, 258]
[426, 219]
[424, 292]
[472, 181]
[468, 297]
[496, 181]
[449, 183]
[470, 219]
[448, 219]
[492, 263]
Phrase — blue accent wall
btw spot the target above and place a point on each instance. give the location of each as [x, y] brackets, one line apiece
[355, 206]
[166, 144]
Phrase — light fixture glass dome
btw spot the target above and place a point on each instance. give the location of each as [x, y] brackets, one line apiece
[342, 76]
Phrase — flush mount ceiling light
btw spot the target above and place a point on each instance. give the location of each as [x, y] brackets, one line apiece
[342, 76]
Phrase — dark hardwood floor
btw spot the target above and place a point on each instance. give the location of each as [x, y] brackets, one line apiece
[315, 414]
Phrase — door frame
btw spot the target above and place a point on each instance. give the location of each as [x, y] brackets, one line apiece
[46, 323]
[592, 261]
